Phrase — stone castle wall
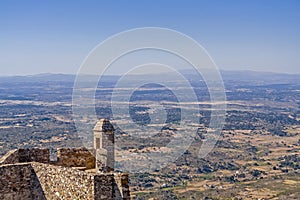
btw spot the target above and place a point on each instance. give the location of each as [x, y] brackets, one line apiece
[34, 155]
[111, 187]
[67, 157]
[64, 183]
[26, 155]
[19, 181]
[76, 157]
[10, 158]
[43, 181]
[28, 174]
[122, 182]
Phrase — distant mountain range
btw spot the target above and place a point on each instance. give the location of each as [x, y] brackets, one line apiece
[226, 75]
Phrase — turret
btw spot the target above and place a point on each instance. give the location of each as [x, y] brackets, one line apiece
[104, 139]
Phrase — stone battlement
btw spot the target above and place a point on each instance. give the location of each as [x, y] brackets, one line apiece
[44, 181]
[26, 155]
[29, 174]
[67, 157]
[77, 173]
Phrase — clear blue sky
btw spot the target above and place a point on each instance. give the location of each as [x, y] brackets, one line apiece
[56, 36]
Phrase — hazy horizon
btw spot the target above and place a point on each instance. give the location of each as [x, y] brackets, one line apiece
[74, 74]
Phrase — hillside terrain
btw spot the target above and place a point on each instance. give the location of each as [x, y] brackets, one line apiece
[256, 157]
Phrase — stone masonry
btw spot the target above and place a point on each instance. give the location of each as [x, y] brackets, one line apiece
[76, 157]
[77, 174]
[104, 139]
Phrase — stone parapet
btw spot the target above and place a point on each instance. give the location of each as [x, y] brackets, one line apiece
[10, 157]
[46, 181]
[76, 157]
[26, 155]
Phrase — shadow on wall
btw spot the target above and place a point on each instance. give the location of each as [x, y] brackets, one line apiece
[26, 184]
[36, 187]
[117, 193]
[111, 187]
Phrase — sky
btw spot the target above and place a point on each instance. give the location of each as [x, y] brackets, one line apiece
[56, 36]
